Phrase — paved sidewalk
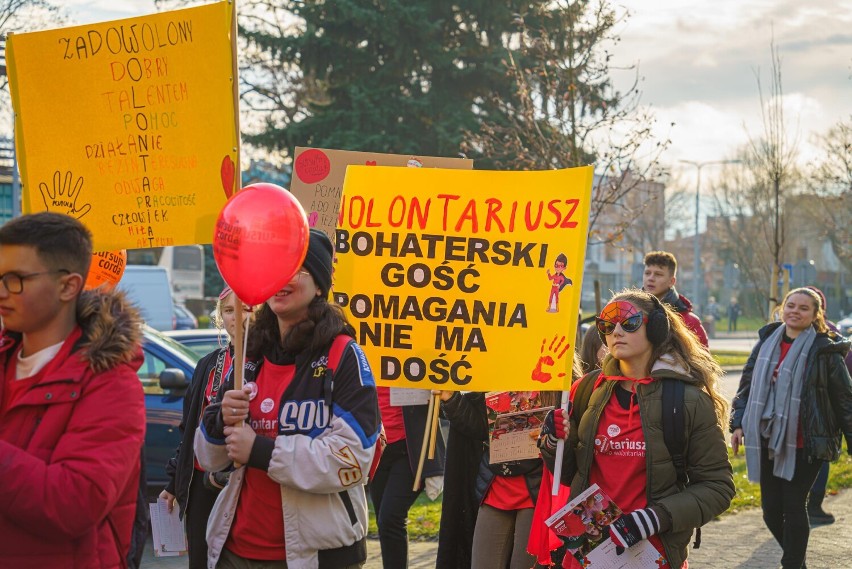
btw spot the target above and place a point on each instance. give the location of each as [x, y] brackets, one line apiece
[742, 540]
[738, 541]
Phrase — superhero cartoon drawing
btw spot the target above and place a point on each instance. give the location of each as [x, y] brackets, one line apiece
[558, 282]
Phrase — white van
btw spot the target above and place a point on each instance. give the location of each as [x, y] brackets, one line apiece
[149, 289]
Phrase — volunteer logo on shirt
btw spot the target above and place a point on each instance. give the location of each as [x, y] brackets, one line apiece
[613, 430]
[267, 405]
[614, 447]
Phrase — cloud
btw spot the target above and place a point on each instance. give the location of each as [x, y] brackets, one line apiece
[701, 61]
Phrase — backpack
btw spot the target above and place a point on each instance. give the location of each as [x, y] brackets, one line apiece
[673, 425]
[335, 353]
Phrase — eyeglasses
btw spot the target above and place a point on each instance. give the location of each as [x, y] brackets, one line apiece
[298, 276]
[631, 324]
[14, 282]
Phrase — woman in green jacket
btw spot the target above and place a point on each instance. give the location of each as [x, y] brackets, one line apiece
[615, 438]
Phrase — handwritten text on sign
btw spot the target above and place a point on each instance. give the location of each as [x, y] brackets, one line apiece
[464, 279]
[129, 125]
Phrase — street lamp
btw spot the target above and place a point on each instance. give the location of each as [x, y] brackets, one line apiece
[697, 245]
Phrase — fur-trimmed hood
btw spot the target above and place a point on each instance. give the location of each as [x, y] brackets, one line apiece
[112, 329]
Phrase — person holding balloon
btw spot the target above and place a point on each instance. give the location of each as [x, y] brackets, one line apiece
[297, 495]
[190, 486]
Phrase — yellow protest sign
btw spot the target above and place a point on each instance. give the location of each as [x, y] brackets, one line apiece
[129, 125]
[464, 280]
[318, 175]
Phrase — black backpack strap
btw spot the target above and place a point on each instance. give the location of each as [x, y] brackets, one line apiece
[674, 429]
[580, 401]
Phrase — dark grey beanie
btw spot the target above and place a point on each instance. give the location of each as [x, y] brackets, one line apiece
[318, 260]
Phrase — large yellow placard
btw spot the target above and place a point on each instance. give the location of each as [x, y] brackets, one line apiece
[129, 125]
[464, 280]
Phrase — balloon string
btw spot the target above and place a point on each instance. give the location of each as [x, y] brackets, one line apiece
[245, 340]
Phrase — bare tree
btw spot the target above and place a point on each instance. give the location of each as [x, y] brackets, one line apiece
[830, 181]
[772, 157]
[744, 210]
[23, 15]
[566, 112]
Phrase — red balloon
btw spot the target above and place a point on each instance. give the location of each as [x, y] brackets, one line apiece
[260, 241]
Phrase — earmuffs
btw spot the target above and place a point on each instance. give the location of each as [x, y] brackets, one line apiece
[657, 328]
[658, 323]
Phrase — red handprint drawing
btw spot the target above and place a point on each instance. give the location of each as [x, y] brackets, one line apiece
[63, 197]
[555, 352]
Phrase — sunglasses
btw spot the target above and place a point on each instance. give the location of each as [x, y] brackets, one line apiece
[631, 324]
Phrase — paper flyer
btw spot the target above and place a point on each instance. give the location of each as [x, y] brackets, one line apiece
[514, 423]
[403, 396]
[167, 530]
[582, 524]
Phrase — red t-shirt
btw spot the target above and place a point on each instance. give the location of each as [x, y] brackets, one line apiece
[15, 388]
[391, 417]
[258, 529]
[508, 493]
[619, 467]
[785, 347]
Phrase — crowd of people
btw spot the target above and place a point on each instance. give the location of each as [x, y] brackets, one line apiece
[278, 473]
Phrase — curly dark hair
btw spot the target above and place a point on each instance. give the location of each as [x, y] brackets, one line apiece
[662, 259]
[325, 322]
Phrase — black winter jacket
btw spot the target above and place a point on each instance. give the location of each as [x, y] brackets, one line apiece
[468, 476]
[414, 420]
[825, 412]
[181, 468]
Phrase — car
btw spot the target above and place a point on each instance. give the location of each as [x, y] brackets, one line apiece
[165, 375]
[845, 326]
[184, 319]
[202, 341]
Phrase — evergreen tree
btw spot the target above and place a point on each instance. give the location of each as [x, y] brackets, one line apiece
[383, 75]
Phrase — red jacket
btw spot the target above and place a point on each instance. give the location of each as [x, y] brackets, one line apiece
[683, 307]
[70, 446]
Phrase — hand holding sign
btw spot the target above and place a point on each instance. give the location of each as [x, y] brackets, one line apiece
[106, 269]
[260, 241]
[62, 197]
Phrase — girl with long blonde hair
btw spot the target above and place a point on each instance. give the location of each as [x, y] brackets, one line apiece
[615, 438]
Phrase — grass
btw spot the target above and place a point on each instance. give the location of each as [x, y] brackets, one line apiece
[424, 518]
[748, 493]
[730, 358]
[744, 324]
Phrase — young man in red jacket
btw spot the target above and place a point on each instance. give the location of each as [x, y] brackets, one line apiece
[659, 279]
[72, 413]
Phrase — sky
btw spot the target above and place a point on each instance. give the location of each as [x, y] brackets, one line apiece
[699, 62]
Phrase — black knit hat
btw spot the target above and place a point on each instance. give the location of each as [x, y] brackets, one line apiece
[318, 260]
